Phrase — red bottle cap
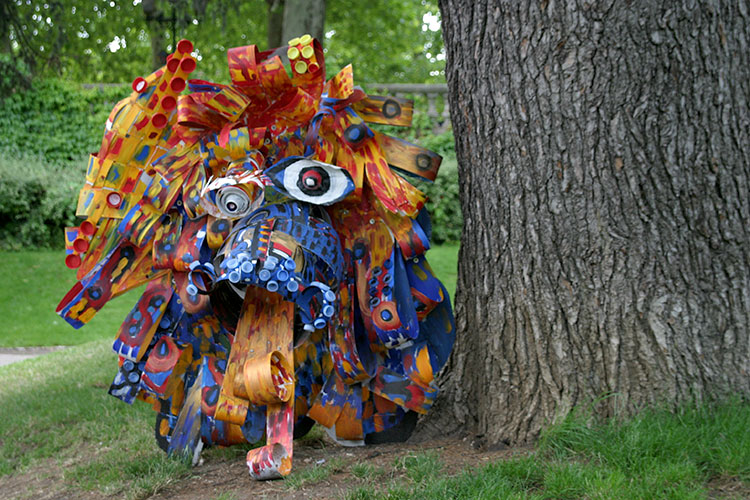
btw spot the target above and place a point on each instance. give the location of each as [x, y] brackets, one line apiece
[81, 245]
[173, 64]
[159, 120]
[188, 64]
[177, 84]
[73, 261]
[87, 228]
[168, 103]
[184, 46]
[139, 84]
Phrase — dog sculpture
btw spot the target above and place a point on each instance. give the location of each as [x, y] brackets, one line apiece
[283, 256]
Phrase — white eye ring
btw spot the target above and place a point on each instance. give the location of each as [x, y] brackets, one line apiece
[327, 183]
[233, 202]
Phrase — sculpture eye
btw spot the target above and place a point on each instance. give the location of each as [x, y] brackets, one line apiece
[311, 181]
[233, 202]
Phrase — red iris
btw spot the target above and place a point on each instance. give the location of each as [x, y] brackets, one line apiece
[312, 179]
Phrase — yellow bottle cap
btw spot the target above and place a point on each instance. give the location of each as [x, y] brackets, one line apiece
[300, 66]
[294, 41]
[308, 52]
[304, 39]
[292, 53]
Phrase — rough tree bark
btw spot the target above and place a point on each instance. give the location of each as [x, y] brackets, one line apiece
[604, 162]
[303, 17]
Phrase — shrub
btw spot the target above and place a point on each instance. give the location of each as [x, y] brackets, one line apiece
[59, 121]
[37, 200]
[46, 132]
[443, 203]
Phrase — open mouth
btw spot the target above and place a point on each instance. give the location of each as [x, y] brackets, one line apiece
[288, 249]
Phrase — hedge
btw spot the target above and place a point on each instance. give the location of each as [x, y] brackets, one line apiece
[37, 200]
[56, 121]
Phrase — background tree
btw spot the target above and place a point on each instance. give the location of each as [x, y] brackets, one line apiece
[604, 169]
[303, 16]
[112, 40]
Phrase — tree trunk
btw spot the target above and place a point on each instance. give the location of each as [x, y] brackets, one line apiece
[604, 167]
[155, 23]
[275, 23]
[303, 17]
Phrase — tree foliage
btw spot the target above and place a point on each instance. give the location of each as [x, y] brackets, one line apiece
[110, 40]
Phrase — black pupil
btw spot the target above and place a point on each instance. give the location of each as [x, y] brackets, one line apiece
[231, 206]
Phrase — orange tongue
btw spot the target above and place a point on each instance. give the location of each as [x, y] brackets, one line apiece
[260, 372]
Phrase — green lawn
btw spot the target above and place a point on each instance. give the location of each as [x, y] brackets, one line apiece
[36, 281]
[34, 284]
[694, 453]
[61, 412]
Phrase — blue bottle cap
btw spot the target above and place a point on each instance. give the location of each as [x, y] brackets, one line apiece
[292, 285]
[269, 264]
[264, 274]
[272, 286]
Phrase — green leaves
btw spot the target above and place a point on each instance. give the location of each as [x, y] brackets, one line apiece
[109, 41]
[56, 120]
[37, 200]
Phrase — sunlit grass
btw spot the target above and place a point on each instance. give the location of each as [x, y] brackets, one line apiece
[56, 407]
[33, 285]
[36, 281]
[658, 454]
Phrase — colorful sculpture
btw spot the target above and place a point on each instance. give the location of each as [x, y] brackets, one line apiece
[284, 256]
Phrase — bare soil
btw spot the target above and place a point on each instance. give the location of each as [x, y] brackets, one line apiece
[228, 476]
[218, 475]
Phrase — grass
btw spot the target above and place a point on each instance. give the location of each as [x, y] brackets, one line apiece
[444, 260]
[34, 283]
[311, 475]
[658, 454]
[62, 417]
[366, 471]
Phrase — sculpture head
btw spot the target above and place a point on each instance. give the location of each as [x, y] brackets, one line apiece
[283, 255]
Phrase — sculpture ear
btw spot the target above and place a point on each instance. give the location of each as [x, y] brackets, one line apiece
[311, 181]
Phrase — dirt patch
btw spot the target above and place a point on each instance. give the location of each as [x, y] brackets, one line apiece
[727, 487]
[41, 483]
[230, 476]
[222, 475]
